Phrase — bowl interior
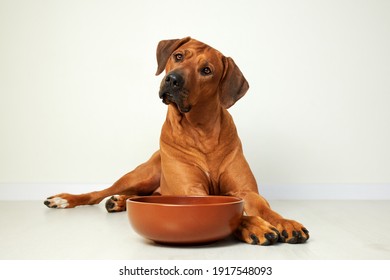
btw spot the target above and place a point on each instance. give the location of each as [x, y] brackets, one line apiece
[187, 200]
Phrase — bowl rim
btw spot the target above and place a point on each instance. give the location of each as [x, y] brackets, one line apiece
[235, 200]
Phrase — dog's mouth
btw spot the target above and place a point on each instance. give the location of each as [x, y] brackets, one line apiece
[167, 98]
[173, 91]
[179, 99]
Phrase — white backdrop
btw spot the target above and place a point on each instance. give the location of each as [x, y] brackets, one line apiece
[79, 100]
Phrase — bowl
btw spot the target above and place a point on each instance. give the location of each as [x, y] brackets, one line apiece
[184, 220]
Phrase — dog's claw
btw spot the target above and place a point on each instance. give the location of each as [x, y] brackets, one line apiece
[283, 236]
[116, 203]
[271, 238]
[255, 239]
[56, 202]
[297, 236]
[110, 203]
[292, 232]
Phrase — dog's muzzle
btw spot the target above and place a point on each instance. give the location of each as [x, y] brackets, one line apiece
[172, 91]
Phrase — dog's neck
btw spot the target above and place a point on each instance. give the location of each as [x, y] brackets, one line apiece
[204, 118]
[199, 129]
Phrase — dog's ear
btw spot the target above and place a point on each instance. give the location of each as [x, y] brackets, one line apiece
[233, 85]
[164, 50]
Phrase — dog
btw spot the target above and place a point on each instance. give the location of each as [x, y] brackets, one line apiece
[200, 151]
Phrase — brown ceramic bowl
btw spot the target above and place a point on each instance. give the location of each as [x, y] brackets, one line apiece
[184, 219]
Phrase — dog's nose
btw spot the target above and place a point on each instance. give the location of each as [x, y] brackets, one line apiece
[174, 80]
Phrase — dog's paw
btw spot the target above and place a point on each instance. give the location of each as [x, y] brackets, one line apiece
[291, 231]
[116, 203]
[254, 230]
[59, 201]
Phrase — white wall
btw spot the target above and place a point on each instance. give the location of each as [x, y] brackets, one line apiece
[79, 103]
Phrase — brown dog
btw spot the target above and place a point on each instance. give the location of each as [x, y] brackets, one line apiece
[200, 151]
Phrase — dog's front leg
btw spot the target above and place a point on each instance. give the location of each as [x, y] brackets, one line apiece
[290, 231]
[143, 180]
[260, 224]
[254, 228]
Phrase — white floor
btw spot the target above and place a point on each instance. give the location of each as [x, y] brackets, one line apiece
[339, 230]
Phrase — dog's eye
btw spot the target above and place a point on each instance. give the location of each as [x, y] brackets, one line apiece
[206, 71]
[178, 57]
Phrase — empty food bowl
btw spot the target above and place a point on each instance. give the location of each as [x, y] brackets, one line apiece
[183, 220]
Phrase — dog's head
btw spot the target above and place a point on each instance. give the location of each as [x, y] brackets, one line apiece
[197, 73]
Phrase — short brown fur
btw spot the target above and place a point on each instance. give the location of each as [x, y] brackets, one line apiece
[200, 151]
